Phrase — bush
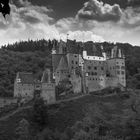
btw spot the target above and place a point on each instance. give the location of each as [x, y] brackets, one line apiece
[40, 112]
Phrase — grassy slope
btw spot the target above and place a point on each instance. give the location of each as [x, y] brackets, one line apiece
[60, 115]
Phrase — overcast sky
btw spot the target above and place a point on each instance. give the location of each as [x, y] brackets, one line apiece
[96, 20]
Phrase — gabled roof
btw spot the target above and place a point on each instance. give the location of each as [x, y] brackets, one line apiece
[25, 78]
[63, 64]
[55, 60]
[45, 77]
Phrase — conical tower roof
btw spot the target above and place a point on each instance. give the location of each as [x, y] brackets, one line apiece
[63, 64]
[46, 76]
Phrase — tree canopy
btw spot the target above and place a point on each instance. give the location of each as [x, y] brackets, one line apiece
[4, 7]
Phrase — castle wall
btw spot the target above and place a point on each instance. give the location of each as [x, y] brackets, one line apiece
[86, 57]
[116, 68]
[95, 73]
[24, 90]
[121, 74]
[61, 75]
[112, 82]
[48, 92]
[73, 61]
[76, 83]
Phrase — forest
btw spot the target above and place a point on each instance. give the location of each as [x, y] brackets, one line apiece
[35, 56]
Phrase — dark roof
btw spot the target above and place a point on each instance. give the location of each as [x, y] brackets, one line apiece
[26, 77]
[73, 46]
[63, 64]
[45, 77]
[55, 60]
[92, 49]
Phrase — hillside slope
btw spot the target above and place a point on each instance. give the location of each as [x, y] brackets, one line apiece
[61, 116]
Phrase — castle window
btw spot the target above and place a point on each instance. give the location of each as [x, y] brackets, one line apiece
[95, 68]
[117, 67]
[118, 72]
[76, 62]
[123, 67]
[72, 62]
[75, 55]
[89, 67]
[122, 72]
[93, 79]
[102, 68]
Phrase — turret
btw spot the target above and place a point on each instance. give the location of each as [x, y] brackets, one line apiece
[103, 53]
[53, 49]
[46, 78]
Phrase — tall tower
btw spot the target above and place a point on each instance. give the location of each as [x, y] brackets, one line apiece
[48, 87]
[116, 66]
[53, 49]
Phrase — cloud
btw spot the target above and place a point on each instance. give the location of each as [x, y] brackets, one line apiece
[27, 22]
[82, 36]
[125, 29]
[95, 10]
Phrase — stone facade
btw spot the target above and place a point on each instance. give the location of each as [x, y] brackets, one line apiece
[97, 72]
[85, 70]
[48, 87]
[26, 86]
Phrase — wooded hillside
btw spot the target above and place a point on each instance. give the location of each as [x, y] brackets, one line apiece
[34, 56]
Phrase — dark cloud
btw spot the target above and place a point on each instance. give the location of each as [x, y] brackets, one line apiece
[95, 10]
[68, 8]
[32, 19]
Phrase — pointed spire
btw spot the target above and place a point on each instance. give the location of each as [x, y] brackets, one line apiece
[53, 49]
[63, 65]
[46, 78]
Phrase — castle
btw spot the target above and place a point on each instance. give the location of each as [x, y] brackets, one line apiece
[26, 86]
[78, 63]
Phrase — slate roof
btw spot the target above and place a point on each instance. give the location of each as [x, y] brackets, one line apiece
[45, 76]
[63, 64]
[92, 49]
[55, 60]
[26, 78]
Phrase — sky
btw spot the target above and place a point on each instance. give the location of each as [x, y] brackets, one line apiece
[83, 20]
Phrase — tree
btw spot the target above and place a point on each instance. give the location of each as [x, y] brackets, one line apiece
[22, 130]
[4, 7]
[40, 112]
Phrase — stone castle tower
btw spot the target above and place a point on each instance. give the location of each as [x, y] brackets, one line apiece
[48, 87]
